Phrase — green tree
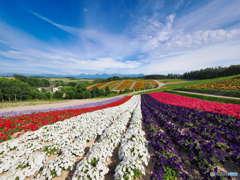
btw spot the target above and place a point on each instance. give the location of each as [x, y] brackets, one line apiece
[44, 90]
[107, 90]
[58, 84]
[58, 95]
[48, 95]
[70, 94]
[94, 91]
[1, 94]
[88, 94]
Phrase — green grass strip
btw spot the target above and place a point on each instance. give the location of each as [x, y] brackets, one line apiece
[119, 84]
[105, 85]
[116, 82]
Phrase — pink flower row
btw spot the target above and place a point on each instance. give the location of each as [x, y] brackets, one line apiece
[225, 108]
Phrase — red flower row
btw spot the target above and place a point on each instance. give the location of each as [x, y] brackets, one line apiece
[32, 122]
[225, 108]
[89, 88]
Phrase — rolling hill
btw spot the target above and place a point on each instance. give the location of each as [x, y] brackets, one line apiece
[125, 84]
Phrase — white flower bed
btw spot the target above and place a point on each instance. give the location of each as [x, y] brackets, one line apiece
[84, 128]
[66, 159]
[25, 167]
[134, 149]
[73, 127]
[54, 167]
[94, 166]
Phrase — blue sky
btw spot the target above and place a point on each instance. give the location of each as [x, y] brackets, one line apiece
[120, 36]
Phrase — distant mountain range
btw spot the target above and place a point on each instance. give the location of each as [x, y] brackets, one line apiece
[80, 76]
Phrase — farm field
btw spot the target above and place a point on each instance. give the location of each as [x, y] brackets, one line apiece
[170, 80]
[7, 77]
[228, 84]
[198, 82]
[226, 87]
[188, 139]
[67, 79]
[126, 84]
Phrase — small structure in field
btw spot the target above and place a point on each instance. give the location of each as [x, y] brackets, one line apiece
[53, 90]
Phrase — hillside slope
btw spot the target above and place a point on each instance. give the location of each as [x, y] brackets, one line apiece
[126, 84]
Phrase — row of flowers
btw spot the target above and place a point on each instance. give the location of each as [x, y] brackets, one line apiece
[228, 84]
[34, 121]
[141, 80]
[122, 86]
[89, 88]
[18, 113]
[110, 84]
[225, 108]
[94, 166]
[84, 128]
[118, 84]
[134, 150]
[129, 84]
[167, 162]
[93, 127]
[209, 126]
[61, 134]
[137, 85]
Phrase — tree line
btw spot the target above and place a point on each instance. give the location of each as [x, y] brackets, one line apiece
[15, 90]
[114, 78]
[33, 81]
[210, 73]
[159, 76]
[207, 73]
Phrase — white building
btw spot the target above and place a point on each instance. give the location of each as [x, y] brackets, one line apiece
[53, 90]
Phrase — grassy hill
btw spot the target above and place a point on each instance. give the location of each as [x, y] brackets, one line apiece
[126, 84]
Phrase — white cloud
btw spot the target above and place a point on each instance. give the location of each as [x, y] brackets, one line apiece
[151, 32]
[202, 38]
[226, 53]
[216, 14]
[85, 9]
[101, 64]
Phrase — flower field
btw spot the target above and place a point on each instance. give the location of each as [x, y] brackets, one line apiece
[229, 109]
[68, 139]
[188, 140]
[123, 85]
[189, 143]
[229, 84]
[126, 84]
[31, 122]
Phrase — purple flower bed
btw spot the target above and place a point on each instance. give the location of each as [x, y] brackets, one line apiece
[17, 113]
[219, 133]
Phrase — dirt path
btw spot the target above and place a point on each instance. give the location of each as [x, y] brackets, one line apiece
[159, 83]
[57, 105]
[208, 95]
